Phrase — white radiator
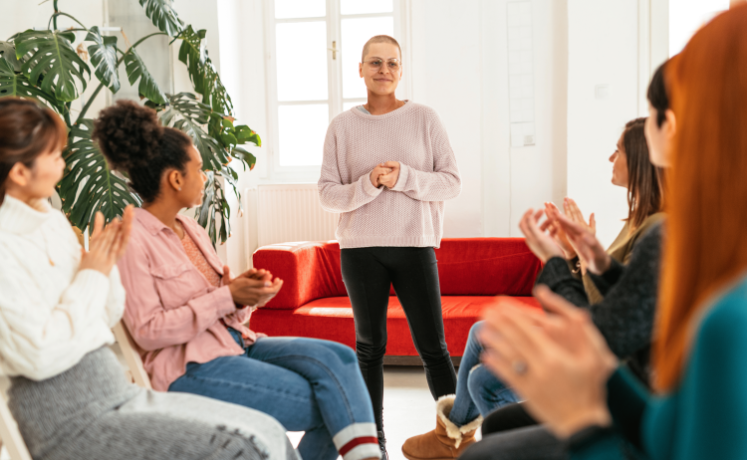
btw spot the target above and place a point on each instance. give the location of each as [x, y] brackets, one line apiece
[285, 213]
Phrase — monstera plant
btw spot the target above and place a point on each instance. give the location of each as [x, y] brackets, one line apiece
[44, 65]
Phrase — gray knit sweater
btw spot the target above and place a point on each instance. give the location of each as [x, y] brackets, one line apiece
[625, 316]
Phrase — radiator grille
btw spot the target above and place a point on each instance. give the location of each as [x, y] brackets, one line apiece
[286, 213]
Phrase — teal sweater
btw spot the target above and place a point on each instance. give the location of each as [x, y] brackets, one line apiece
[706, 416]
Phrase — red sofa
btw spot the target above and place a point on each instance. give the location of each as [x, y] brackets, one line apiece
[313, 301]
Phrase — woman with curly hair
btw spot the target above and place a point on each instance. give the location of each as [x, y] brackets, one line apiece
[68, 392]
[187, 315]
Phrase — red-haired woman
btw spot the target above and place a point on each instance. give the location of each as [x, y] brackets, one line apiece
[564, 368]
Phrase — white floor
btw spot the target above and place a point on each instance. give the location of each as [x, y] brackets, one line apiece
[408, 409]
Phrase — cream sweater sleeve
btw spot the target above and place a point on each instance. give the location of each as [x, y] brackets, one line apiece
[41, 337]
[334, 194]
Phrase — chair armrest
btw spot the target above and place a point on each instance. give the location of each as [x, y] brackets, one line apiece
[309, 270]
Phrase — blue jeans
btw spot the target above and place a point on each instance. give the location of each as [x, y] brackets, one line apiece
[478, 391]
[306, 384]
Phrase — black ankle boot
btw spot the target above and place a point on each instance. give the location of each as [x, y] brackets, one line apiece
[382, 445]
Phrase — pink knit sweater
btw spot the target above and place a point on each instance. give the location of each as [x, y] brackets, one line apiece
[411, 213]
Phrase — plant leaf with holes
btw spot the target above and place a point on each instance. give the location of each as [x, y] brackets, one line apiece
[163, 16]
[136, 70]
[8, 52]
[104, 58]
[186, 105]
[88, 184]
[187, 114]
[51, 63]
[17, 85]
[193, 54]
[214, 213]
[202, 73]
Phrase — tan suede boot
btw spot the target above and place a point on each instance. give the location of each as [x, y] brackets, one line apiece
[447, 441]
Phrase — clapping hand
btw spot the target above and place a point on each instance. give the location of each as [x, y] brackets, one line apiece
[557, 232]
[574, 213]
[559, 361]
[107, 244]
[590, 251]
[538, 240]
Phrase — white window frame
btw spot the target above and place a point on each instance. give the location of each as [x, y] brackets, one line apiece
[276, 172]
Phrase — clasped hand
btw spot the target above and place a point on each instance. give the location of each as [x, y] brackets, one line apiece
[253, 287]
[385, 174]
[107, 244]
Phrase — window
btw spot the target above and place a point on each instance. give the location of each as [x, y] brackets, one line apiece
[313, 51]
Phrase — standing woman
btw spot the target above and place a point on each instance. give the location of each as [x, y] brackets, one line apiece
[388, 168]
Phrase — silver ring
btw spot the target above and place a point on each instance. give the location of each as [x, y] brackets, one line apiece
[520, 367]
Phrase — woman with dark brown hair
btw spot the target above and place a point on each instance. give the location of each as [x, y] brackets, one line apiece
[632, 169]
[562, 365]
[68, 392]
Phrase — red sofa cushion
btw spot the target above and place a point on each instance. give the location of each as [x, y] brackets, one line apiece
[467, 266]
[332, 319]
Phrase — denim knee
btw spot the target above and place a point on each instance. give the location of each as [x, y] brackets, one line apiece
[343, 352]
[486, 391]
[472, 338]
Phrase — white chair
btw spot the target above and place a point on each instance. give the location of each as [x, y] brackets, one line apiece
[9, 434]
[131, 356]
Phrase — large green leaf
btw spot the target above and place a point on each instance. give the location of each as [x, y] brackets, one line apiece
[104, 58]
[202, 72]
[51, 62]
[187, 114]
[17, 85]
[136, 70]
[88, 184]
[245, 156]
[8, 52]
[214, 213]
[163, 16]
[193, 53]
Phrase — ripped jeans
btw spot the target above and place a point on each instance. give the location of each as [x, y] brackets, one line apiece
[478, 391]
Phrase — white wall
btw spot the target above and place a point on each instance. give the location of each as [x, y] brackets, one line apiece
[459, 60]
[611, 45]
[515, 179]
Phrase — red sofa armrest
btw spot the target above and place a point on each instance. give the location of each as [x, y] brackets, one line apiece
[309, 270]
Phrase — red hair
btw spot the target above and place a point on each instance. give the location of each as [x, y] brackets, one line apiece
[706, 233]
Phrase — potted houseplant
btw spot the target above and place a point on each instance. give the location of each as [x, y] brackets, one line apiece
[44, 65]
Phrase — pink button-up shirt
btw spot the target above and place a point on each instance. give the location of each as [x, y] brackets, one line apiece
[172, 312]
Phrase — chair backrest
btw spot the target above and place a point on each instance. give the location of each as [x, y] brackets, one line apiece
[10, 435]
[131, 356]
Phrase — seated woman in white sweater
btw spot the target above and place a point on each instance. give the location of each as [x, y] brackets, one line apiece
[68, 391]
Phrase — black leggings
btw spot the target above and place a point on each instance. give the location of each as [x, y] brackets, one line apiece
[368, 274]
